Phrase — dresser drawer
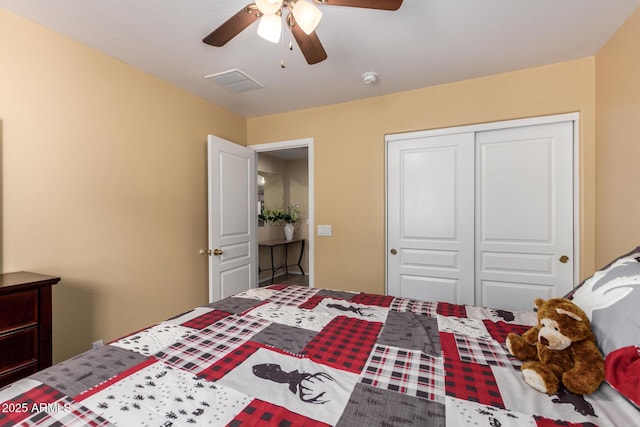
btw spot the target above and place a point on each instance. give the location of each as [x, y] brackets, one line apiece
[18, 310]
[16, 374]
[18, 349]
[25, 324]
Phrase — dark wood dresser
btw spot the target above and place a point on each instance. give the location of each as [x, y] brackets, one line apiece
[25, 324]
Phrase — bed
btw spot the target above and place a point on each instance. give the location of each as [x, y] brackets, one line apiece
[296, 356]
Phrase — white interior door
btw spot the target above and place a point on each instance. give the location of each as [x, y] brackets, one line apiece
[430, 191]
[524, 214]
[232, 218]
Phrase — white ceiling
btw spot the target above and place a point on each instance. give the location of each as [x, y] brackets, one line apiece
[424, 43]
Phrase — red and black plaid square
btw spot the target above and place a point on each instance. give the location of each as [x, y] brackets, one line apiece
[277, 287]
[227, 363]
[370, 299]
[455, 310]
[20, 408]
[344, 343]
[546, 422]
[500, 330]
[312, 302]
[473, 382]
[206, 319]
[259, 413]
[66, 413]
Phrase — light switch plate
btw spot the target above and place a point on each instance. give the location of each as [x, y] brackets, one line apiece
[324, 230]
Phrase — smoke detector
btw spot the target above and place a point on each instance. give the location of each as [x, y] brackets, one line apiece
[370, 78]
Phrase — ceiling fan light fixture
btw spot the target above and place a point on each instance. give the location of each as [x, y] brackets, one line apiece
[270, 27]
[268, 7]
[307, 15]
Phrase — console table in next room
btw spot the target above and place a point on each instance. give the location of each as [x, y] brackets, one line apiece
[283, 266]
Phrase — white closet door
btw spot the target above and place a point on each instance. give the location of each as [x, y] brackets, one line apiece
[430, 194]
[524, 214]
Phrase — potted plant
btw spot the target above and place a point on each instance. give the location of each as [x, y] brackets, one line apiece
[270, 216]
[290, 217]
[287, 217]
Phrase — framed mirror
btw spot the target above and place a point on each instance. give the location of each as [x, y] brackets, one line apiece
[270, 192]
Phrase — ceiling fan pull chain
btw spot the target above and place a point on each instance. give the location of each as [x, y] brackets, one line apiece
[288, 24]
[282, 64]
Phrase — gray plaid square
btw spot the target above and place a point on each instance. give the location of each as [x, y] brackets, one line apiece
[411, 331]
[427, 308]
[284, 337]
[207, 346]
[405, 371]
[482, 352]
[369, 406]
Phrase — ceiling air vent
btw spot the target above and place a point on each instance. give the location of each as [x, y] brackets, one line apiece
[235, 81]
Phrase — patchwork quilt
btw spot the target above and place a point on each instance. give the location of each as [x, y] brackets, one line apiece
[297, 356]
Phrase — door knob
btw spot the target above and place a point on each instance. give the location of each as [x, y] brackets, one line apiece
[564, 259]
[393, 251]
[217, 252]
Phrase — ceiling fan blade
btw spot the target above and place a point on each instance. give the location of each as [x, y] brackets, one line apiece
[233, 26]
[309, 43]
[367, 4]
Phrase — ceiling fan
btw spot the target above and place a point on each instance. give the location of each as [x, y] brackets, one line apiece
[302, 20]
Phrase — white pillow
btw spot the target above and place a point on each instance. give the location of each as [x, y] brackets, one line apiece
[611, 300]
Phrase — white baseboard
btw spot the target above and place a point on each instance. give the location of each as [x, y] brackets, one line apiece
[268, 278]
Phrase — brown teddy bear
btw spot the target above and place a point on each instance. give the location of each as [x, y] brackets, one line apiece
[560, 349]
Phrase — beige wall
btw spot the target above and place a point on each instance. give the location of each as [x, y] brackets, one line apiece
[104, 184]
[298, 179]
[349, 154]
[618, 146]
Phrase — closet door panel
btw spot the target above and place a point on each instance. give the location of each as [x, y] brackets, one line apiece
[524, 214]
[515, 183]
[437, 289]
[429, 191]
[515, 296]
[429, 229]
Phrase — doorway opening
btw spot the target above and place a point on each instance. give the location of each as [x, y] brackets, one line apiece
[285, 182]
